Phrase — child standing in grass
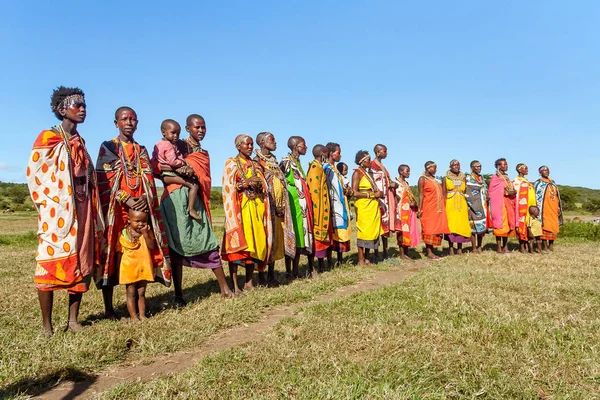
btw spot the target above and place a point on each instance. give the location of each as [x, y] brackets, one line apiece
[134, 255]
[534, 227]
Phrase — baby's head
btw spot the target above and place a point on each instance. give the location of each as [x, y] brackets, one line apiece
[534, 211]
[170, 130]
[137, 220]
[342, 168]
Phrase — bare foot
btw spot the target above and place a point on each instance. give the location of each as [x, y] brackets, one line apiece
[238, 293]
[272, 283]
[74, 326]
[459, 252]
[195, 215]
[314, 274]
[434, 257]
[143, 318]
[180, 301]
[405, 257]
[48, 331]
[248, 286]
[111, 315]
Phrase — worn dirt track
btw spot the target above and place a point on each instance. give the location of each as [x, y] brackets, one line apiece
[148, 369]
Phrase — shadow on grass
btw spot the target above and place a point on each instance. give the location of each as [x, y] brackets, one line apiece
[38, 386]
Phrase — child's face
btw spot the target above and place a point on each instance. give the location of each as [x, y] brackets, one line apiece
[534, 212]
[171, 132]
[197, 129]
[137, 220]
[345, 170]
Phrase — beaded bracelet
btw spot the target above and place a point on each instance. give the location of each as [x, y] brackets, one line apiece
[122, 196]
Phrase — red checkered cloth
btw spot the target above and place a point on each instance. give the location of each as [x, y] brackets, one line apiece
[433, 240]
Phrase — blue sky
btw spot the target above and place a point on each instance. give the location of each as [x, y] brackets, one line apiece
[432, 80]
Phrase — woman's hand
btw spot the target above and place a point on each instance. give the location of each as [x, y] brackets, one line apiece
[378, 194]
[138, 203]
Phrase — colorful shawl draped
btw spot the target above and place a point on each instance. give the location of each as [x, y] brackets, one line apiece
[525, 199]
[50, 174]
[235, 242]
[317, 184]
[502, 207]
[477, 195]
[277, 191]
[550, 205]
[382, 179]
[116, 186]
[433, 210]
[300, 203]
[340, 207]
[199, 160]
[407, 227]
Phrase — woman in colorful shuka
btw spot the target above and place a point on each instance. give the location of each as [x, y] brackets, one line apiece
[407, 227]
[125, 181]
[340, 206]
[368, 215]
[525, 198]
[385, 184]
[477, 199]
[548, 201]
[301, 207]
[63, 187]
[248, 228]
[454, 187]
[432, 209]
[317, 184]
[284, 239]
[502, 205]
[192, 242]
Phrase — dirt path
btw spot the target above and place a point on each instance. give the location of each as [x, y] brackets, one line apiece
[148, 369]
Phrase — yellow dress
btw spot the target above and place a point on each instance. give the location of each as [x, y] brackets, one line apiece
[253, 213]
[368, 216]
[457, 209]
[136, 261]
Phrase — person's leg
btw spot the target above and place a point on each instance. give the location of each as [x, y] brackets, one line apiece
[459, 248]
[430, 253]
[46, 299]
[249, 273]
[450, 247]
[361, 256]
[141, 299]
[474, 248]
[545, 243]
[330, 263]
[262, 278]
[375, 256]
[220, 275]
[233, 269]
[177, 274]
[321, 265]
[192, 197]
[311, 264]
[340, 257]
[538, 242]
[480, 243]
[505, 244]
[74, 304]
[107, 296]
[296, 265]
[499, 248]
[384, 240]
[131, 300]
[522, 246]
[271, 280]
[551, 245]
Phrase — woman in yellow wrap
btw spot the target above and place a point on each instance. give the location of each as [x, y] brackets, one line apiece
[454, 186]
[368, 215]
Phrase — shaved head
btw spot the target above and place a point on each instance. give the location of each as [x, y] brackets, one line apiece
[192, 117]
[168, 122]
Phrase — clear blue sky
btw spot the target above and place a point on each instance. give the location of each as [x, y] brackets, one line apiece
[432, 80]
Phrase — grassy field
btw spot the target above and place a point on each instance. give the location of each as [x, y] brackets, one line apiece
[479, 326]
[502, 326]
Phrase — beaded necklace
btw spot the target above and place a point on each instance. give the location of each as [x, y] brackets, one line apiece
[505, 178]
[552, 187]
[407, 189]
[369, 178]
[132, 171]
[384, 169]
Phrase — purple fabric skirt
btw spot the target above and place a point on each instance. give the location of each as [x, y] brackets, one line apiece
[458, 239]
[210, 260]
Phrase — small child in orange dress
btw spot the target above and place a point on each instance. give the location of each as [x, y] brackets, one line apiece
[134, 247]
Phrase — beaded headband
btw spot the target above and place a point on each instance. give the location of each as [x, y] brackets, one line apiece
[265, 137]
[454, 161]
[72, 99]
[522, 166]
[363, 159]
[542, 167]
[429, 165]
[241, 138]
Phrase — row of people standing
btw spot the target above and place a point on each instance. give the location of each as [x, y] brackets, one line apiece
[462, 208]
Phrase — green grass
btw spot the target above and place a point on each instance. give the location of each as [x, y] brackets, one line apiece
[481, 326]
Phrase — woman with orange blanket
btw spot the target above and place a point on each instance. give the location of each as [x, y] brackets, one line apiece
[432, 209]
[525, 198]
[192, 242]
[248, 227]
[407, 227]
[126, 181]
[502, 205]
[550, 205]
[63, 187]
